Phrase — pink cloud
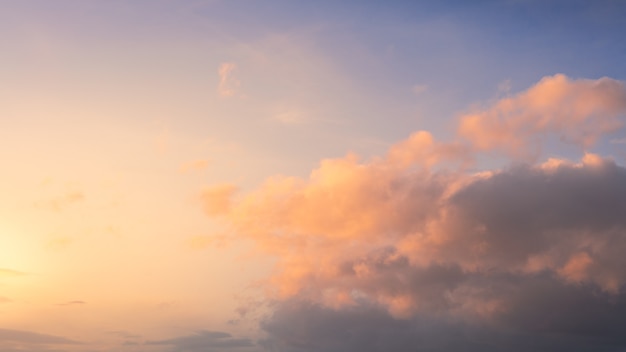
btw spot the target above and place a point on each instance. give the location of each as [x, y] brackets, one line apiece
[578, 111]
[228, 84]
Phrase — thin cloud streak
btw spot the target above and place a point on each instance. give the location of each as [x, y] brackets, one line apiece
[228, 84]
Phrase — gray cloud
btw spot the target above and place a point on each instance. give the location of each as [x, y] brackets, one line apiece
[28, 337]
[530, 218]
[527, 258]
[124, 334]
[205, 341]
[552, 324]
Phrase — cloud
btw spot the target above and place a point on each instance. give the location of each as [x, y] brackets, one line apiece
[205, 340]
[300, 326]
[59, 243]
[578, 111]
[414, 249]
[30, 338]
[216, 199]
[419, 89]
[377, 228]
[195, 165]
[72, 303]
[618, 141]
[228, 84]
[61, 202]
[10, 272]
[290, 116]
[124, 334]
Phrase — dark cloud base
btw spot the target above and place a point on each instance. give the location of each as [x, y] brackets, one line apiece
[521, 213]
[558, 318]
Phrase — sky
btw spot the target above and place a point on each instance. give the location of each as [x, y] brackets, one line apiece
[312, 176]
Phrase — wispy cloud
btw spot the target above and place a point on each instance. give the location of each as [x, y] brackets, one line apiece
[59, 243]
[203, 341]
[419, 89]
[72, 303]
[618, 141]
[10, 272]
[194, 165]
[61, 202]
[228, 84]
[33, 338]
[217, 199]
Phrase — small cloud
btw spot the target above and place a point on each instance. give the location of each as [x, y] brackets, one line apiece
[418, 89]
[290, 116]
[5, 300]
[72, 303]
[166, 304]
[195, 165]
[10, 272]
[59, 243]
[618, 141]
[228, 84]
[217, 199]
[200, 242]
[61, 202]
[124, 334]
[34, 338]
[505, 87]
[203, 341]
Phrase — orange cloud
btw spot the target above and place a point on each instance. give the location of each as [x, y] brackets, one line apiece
[578, 111]
[414, 231]
[195, 165]
[217, 199]
[576, 268]
[59, 243]
[62, 202]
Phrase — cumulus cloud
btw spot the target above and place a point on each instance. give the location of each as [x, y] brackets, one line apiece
[550, 325]
[411, 249]
[578, 111]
